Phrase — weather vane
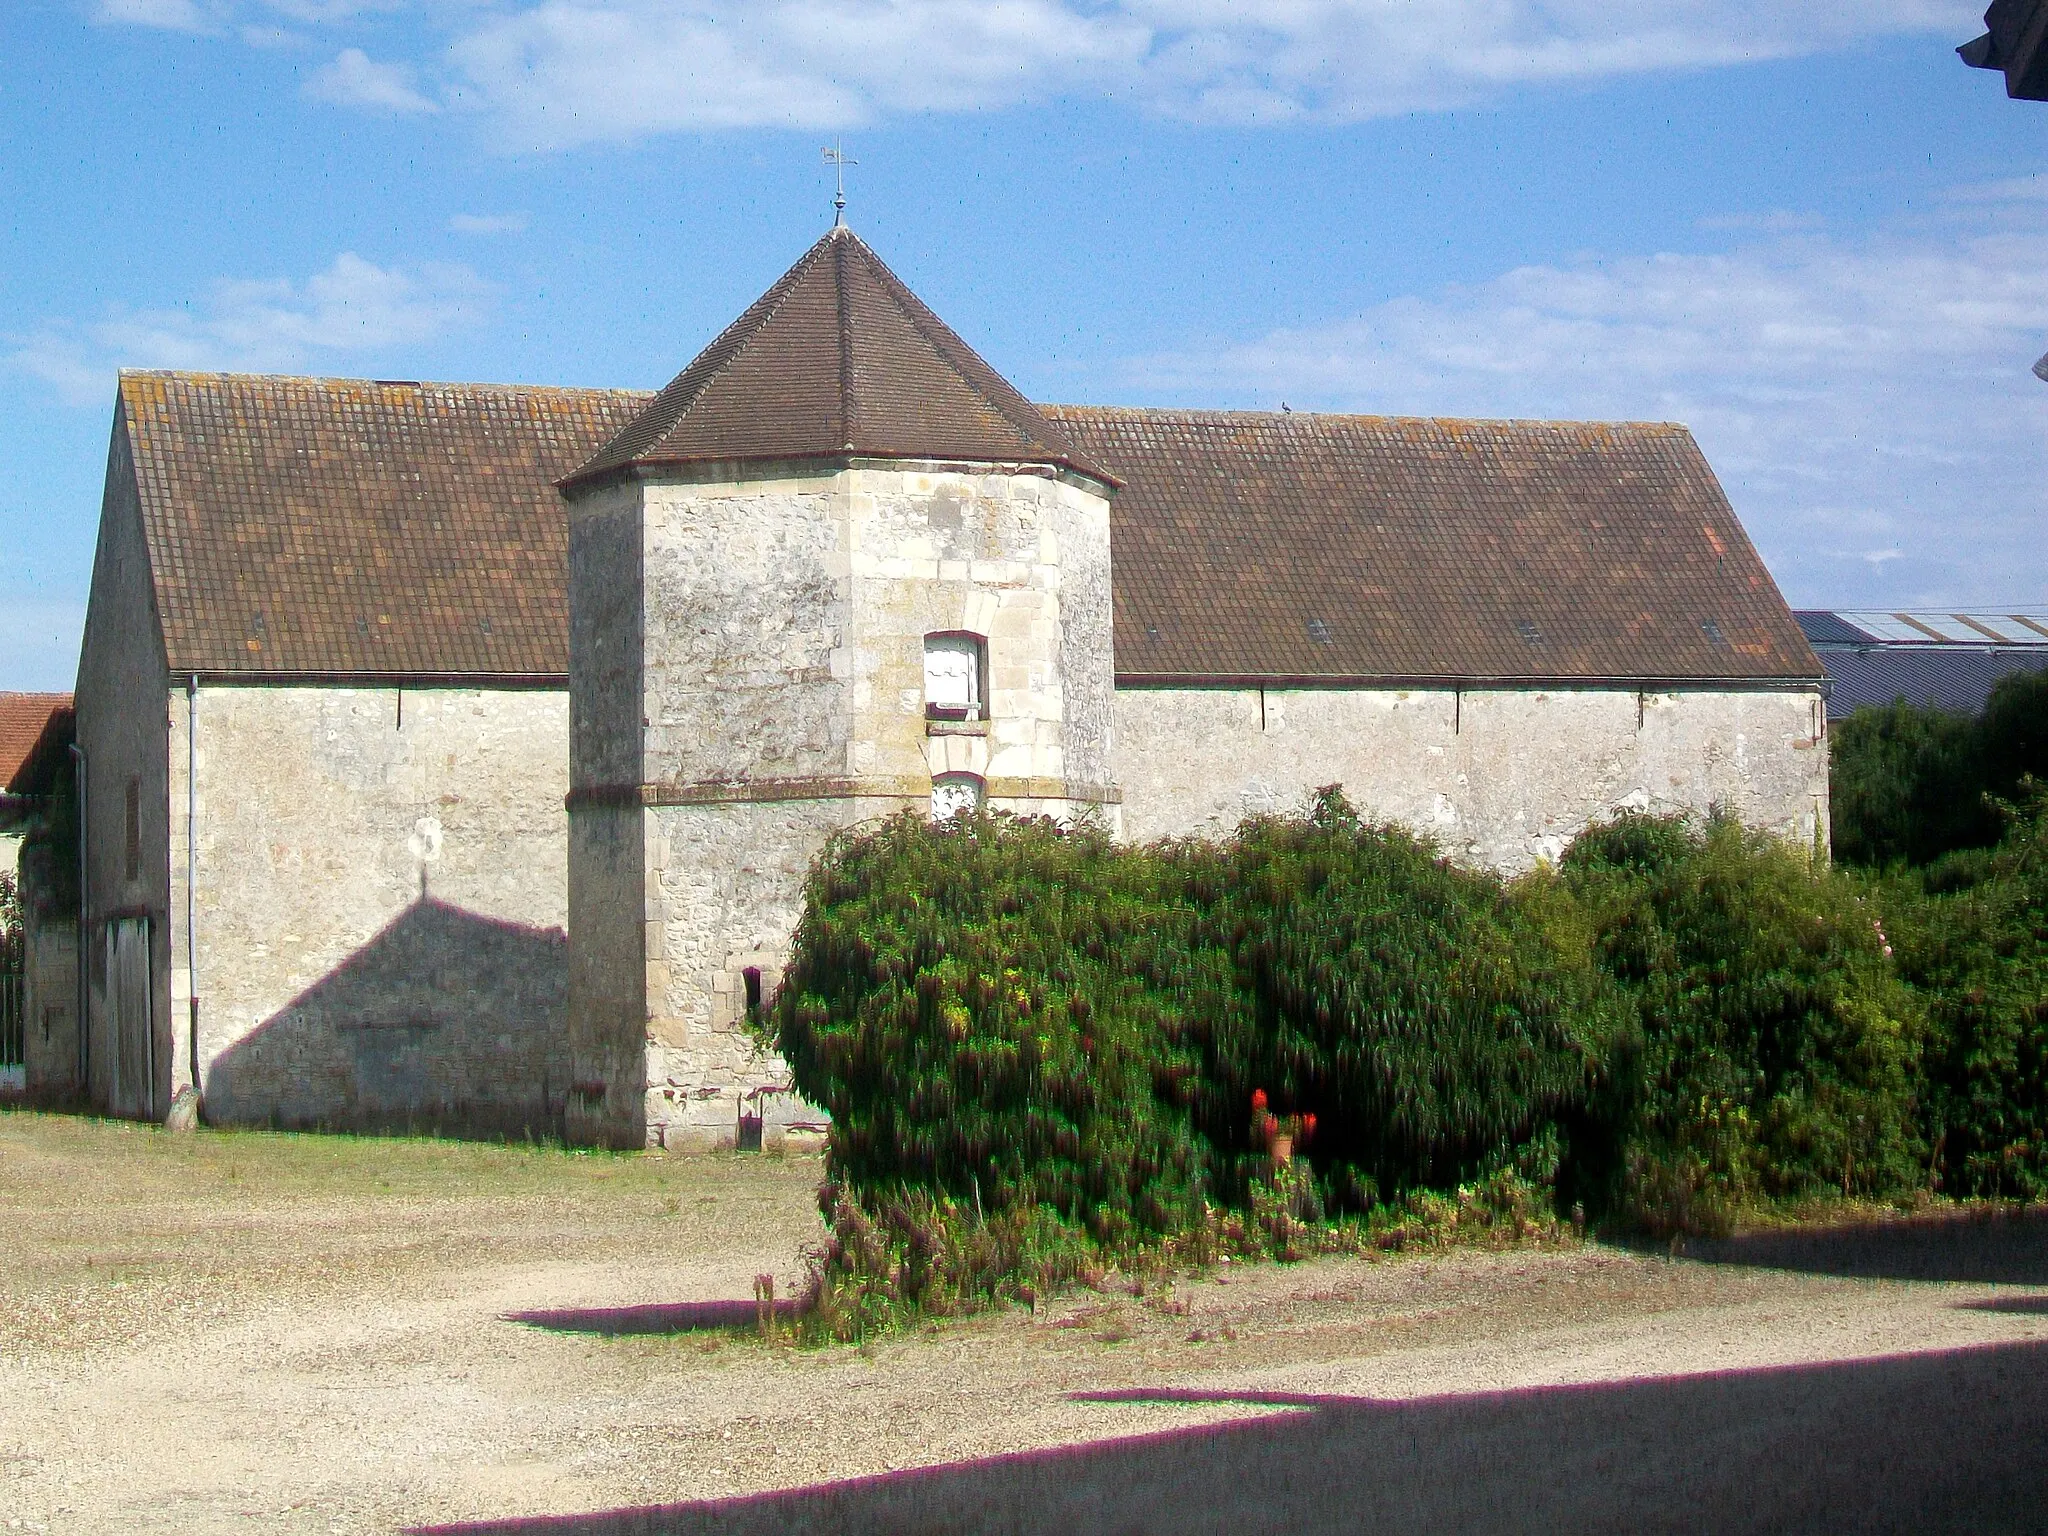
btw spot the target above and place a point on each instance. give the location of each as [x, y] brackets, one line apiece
[835, 156]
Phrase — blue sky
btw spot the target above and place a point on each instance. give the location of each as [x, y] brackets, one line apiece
[1802, 228]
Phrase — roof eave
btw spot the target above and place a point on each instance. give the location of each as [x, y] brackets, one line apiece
[708, 469]
[1474, 683]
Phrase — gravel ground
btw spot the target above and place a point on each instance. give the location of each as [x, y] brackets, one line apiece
[258, 1333]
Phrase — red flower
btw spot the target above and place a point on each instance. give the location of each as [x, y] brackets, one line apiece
[1272, 1127]
[1258, 1101]
[1308, 1126]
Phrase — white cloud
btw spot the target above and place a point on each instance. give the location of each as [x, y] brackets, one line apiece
[564, 72]
[487, 223]
[259, 325]
[1867, 403]
[355, 79]
[572, 71]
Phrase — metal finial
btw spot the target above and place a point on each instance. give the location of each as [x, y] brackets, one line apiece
[835, 156]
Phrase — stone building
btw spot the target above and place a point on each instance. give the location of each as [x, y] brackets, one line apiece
[414, 677]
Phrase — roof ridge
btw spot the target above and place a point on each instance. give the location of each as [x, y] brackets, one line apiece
[896, 290]
[788, 283]
[1196, 412]
[847, 408]
[231, 376]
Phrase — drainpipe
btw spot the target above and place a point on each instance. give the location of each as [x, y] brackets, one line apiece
[192, 868]
[81, 781]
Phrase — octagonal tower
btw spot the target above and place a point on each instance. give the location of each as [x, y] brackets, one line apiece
[839, 567]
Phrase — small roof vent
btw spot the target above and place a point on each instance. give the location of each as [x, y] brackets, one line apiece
[1527, 629]
[1319, 632]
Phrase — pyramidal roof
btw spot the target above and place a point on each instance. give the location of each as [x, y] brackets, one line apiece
[838, 359]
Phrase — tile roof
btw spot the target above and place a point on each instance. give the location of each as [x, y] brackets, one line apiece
[348, 526]
[338, 527]
[838, 358]
[24, 717]
[1257, 545]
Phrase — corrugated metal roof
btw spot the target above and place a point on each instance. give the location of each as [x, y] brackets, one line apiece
[1924, 627]
[1945, 677]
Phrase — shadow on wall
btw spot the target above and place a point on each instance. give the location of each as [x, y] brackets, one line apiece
[1942, 1441]
[446, 1023]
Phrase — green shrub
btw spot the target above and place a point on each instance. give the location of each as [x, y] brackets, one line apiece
[1911, 784]
[989, 1010]
[1778, 1049]
[1971, 936]
[1432, 1023]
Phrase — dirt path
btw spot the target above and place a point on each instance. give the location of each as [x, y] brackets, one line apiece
[270, 1333]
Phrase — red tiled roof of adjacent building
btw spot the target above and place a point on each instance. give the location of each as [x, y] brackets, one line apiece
[1297, 545]
[838, 359]
[24, 717]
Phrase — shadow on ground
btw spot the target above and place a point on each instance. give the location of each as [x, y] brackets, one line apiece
[1945, 1441]
[1985, 1247]
[676, 1317]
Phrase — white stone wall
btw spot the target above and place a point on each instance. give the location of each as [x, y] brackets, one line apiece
[1498, 778]
[381, 906]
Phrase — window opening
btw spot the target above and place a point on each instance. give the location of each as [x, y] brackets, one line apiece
[752, 977]
[955, 677]
[953, 793]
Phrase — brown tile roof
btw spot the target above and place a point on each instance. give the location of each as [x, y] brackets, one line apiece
[1315, 546]
[335, 527]
[24, 717]
[343, 526]
[838, 358]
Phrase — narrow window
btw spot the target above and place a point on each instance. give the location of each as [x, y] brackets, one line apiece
[953, 793]
[133, 840]
[752, 977]
[954, 677]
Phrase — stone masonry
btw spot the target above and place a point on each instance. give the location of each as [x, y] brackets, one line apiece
[779, 627]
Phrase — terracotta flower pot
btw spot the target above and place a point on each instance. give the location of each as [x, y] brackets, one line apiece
[1282, 1148]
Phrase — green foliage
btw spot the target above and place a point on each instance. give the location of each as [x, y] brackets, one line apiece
[1431, 1022]
[1911, 784]
[1037, 1044]
[1778, 1050]
[1971, 935]
[1039, 1048]
[989, 1008]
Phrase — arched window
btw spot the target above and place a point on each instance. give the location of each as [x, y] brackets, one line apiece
[953, 793]
[955, 677]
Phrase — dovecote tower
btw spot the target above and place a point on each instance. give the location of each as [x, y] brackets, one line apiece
[839, 567]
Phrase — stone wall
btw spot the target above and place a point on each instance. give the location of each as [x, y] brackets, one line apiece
[1501, 778]
[382, 894]
[782, 626]
[122, 703]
